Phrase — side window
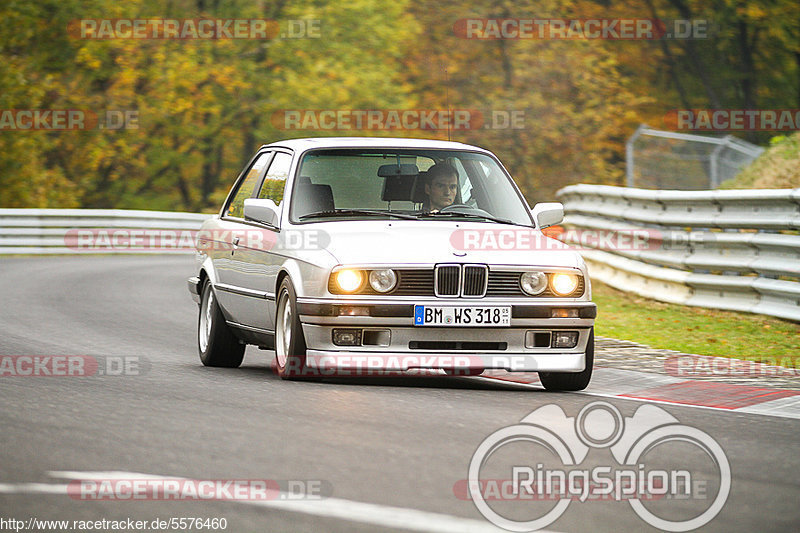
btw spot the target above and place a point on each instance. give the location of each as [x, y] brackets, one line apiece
[275, 179]
[246, 186]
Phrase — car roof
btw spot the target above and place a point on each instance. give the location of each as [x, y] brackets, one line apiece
[301, 145]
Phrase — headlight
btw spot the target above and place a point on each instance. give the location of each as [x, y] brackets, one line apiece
[382, 280]
[533, 283]
[564, 284]
[349, 280]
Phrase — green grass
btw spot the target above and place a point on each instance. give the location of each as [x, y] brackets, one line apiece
[777, 168]
[695, 330]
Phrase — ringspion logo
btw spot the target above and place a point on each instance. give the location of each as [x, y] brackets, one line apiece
[549, 466]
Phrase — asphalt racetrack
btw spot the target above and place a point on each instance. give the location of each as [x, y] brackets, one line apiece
[357, 454]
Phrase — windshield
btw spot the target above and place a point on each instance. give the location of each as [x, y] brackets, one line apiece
[339, 184]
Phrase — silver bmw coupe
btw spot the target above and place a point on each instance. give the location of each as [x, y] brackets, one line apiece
[364, 256]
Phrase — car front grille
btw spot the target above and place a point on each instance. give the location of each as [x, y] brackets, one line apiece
[477, 281]
[448, 280]
[414, 283]
[504, 284]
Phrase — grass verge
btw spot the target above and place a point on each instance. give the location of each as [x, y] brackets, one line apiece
[694, 330]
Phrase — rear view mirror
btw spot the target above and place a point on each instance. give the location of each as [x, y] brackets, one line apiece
[548, 214]
[261, 210]
[403, 169]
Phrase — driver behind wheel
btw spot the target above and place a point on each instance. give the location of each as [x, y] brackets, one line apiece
[441, 188]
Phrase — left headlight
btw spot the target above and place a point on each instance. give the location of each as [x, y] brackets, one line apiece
[382, 280]
[564, 284]
[348, 280]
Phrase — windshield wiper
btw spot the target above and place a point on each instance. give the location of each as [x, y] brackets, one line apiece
[453, 214]
[346, 212]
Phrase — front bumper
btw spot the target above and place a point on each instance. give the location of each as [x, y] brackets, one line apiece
[390, 341]
[193, 285]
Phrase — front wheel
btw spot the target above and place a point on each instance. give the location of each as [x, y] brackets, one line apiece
[217, 344]
[290, 344]
[571, 381]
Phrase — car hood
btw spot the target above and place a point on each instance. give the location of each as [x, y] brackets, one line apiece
[427, 242]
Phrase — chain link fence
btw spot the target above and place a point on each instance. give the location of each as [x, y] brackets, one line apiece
[668, 160]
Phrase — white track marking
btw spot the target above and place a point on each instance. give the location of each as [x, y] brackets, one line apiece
[336, 508]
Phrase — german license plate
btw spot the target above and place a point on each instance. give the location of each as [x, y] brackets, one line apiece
[436, 315]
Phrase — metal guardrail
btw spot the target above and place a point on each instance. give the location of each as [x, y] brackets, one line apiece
[82, 231]
[736, 250]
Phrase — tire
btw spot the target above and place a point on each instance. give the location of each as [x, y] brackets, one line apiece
[571, 381]
[216, 343]
[290, 344]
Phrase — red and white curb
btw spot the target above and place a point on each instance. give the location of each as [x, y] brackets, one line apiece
[644, 386]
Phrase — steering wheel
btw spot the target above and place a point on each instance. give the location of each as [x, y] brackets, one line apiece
[470, 209]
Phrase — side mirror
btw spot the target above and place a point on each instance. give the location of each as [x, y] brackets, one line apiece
[261, 210]
[546, 214]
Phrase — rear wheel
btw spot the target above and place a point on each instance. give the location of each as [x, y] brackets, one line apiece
[571, 381]
[290, 344]
[217, 344]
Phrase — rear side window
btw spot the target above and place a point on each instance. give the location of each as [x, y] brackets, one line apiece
[246, 186]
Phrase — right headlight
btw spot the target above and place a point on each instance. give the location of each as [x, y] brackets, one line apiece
[533, 283]
[564, 284]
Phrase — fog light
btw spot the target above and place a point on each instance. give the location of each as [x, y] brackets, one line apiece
[565, 339]
[347, 337]
[565, 313]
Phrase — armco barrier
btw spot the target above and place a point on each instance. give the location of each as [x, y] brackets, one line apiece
[734, 249]
[55, 231]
